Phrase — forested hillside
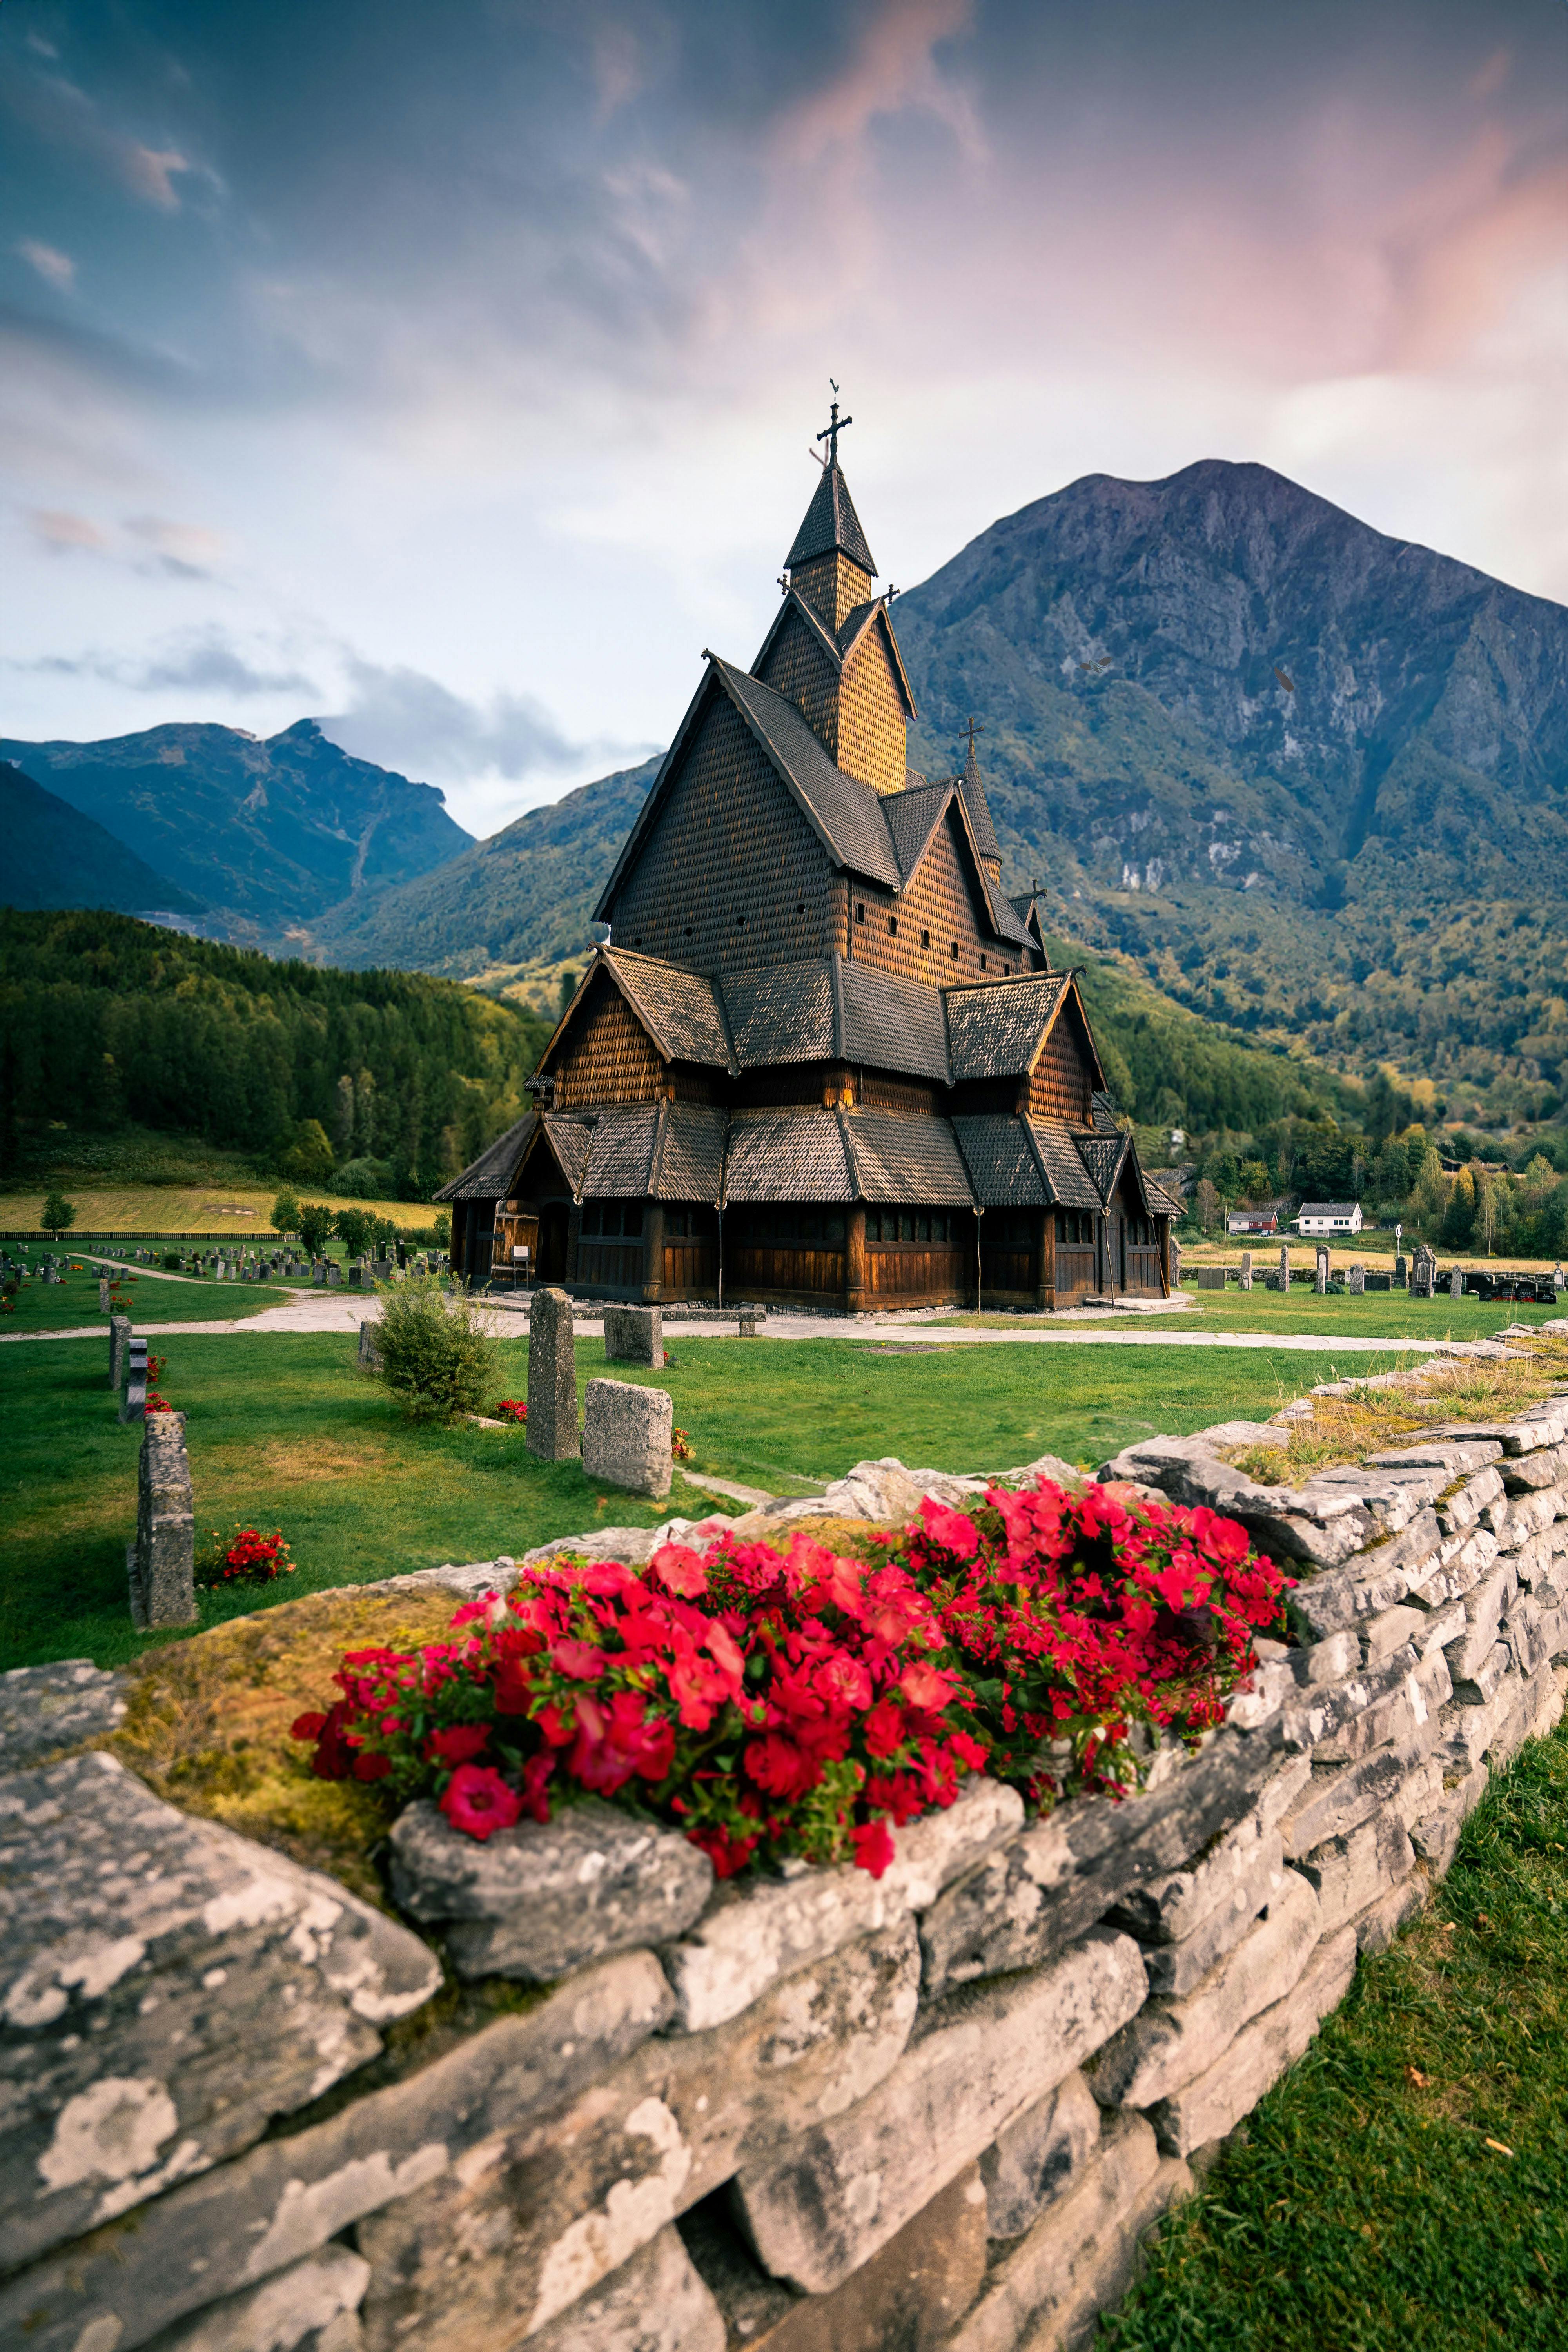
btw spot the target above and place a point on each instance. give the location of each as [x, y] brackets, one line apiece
[393, 1080]
[55, 856]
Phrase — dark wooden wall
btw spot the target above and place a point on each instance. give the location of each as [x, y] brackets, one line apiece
[1059, 1085]
[608, 1056]
[914, 935]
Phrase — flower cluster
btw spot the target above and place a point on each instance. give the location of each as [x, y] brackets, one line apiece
[778, 1708]
[681, 1445]
[772, 1708]
[512, 1408]
[156, 1401]
[1087, 1624]
[246, 1556]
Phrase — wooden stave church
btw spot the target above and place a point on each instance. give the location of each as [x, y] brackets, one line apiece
[821, 1059]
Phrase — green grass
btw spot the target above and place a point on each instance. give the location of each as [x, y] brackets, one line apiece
[1391, 1315]
[1363, 2208]
[285, 1431]
[66, 1305]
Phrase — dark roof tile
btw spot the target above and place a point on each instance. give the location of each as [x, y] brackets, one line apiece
[831, 522]
[848, 815]
[620, 1160]
[489, 1178]
[1068, 1178]
[890, 1024]
[1003, 1169]
[782, 1013]
[689, 1162]
[994, 1029]
[572, 1141]
[896, 1157]
[787, 1155]
[680, 1009]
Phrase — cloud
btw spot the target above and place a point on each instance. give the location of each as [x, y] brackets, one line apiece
[203, 661]
[183, 548]
[64, 115]
[401, 719]
[64, 533]
[54, 267]
[150, 172]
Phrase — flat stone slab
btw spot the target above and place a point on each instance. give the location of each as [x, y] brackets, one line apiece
[167, 1989]
[537, 1899]
[43, 1709]
[627, 1434]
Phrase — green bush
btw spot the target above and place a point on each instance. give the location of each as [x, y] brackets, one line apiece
[434, 1353]
[313, 1225]
[286, 1212]
[309, 1159]
[357, 1230]
[366, 1180]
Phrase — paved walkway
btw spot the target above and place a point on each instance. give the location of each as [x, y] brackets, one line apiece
[344, 1310]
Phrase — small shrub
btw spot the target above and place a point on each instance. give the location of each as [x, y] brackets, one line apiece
[286, 1212]
[365, 1179]
[357, 1229]
[434, 1353]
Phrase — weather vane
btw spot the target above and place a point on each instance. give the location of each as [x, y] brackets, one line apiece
[835, 426]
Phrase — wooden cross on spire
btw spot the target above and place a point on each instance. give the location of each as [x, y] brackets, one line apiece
[835, 425]
[976, 727]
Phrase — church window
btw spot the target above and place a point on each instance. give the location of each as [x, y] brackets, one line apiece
[739, 922]
[859, 910]
[892, 926]
[636, 943]
[981, 963]
[955, 951]
[783, 1224]
[925, 939]
[918, 1226]
[1076, 1227]
[1007, 971]
[612, 1220]
[689, 930]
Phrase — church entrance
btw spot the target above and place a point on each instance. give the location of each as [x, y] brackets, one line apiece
[553, 1240]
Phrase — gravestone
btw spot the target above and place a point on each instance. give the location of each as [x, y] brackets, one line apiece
[1175, 1263]
[1356, 1281]
[119, 1350]
[334, 1275]
[1558, 1278]
[1211, 1277]
[628, 1435]
[1456, 1284]
[369, 1353]
[1320, 1279]
[1284, 1268]
[1380, 1282]
[552, 1379]
[160, 1562]
[634, 1335]
[1245, 1277]
[748, 1327]
[103, 1293]
[133, 1403]
[1400, 1272]
[318, 1272]
[1424, 1272]
[356, 1274]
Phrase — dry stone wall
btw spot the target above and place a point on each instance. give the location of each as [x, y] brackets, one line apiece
[936, 2111]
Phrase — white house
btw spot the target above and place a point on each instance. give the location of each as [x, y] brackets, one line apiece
[1329, 1217]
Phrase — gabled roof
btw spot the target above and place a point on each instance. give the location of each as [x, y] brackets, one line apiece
[830, 1009]
[847, 813]
[998, 1029]
[620, 1157]
[1103, 1155]
[689, 1152]
[831, 522]
[1103, 1113]
[572, 1141]
[679, 1010]
[1070, 1182]
[787, 1155]
[1005, 1168]
[489, 1177]
[913, 816]
[874, 614]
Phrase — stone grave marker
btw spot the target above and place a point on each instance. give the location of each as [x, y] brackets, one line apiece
[1246, 1278]
[318, 1272]
[119, 1350]
[356, 1274]
[634, 1335]
[748, 1327]
[1211, 1277]
[1401, 1272]
[1456, 1284]
[552, 1379]
[1320, 1279]
[369, 1353]
[133, 1403]
[334, 1275]
[1558, 1278]
[1356, 1281]
[1175, 1248]
[627, 1434]
[160, 1562]
[103, 1293]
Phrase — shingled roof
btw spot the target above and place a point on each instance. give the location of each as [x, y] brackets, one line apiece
[680, 1010]
[489, 1177]
[995, 1029]
[847, 813]
[897, 1157]
[831, 1009]
[1005, 1169]
[831, 523]
[689, 1152]
[787, 1155]
[1071, 1183]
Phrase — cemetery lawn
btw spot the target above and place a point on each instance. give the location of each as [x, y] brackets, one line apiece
[1388, 1314]
[66, 1305]
[285, 1431]
[1407, 2183]
[233, 1212]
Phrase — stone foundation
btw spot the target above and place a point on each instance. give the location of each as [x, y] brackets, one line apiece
[937, 2110]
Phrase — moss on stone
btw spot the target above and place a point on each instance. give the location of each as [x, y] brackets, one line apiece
[209, 1723]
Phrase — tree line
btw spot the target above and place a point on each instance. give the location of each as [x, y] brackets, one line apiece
[386, 1082]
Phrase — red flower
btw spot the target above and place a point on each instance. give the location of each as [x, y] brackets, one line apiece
[874, 1847]
[679, 1570]
[457, 1743]
[951, 1530]
[371, 1766]
[480, 1802]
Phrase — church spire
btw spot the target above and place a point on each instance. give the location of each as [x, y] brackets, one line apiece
[831, 526]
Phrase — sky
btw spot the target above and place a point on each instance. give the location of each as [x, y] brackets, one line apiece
[450, 372]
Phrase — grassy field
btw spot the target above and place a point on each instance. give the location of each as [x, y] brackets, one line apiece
[237, 1213]
[284, 1430]
[1392, 1314]
[1407, 2184]
[66, 1305]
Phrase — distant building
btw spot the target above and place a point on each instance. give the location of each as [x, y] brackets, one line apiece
[1329, 1217]
[1253, 1221]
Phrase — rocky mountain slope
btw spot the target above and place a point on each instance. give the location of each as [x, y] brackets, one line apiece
[1313, 778]
[525, 896]
[267, 834]
[55, 856]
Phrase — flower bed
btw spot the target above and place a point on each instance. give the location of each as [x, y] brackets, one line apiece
[791, 1708]
[244, 1556]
